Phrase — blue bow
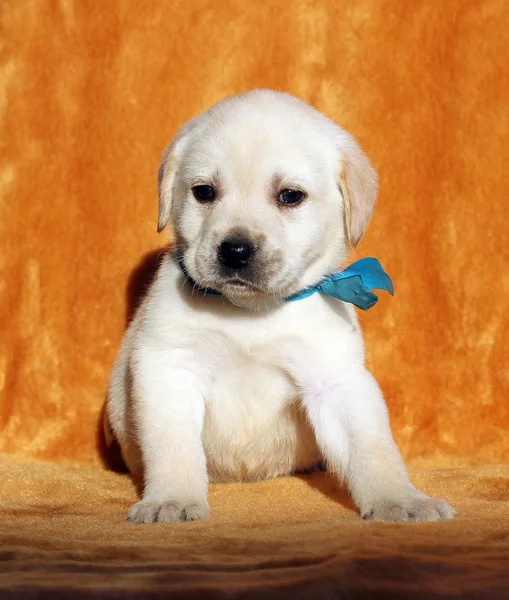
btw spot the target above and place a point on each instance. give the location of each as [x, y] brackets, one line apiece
[353, 285]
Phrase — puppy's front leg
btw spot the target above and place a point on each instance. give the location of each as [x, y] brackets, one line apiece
[351, 425]
[168, 412]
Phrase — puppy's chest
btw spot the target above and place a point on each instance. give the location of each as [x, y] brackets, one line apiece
[253, 426]
[245, 379]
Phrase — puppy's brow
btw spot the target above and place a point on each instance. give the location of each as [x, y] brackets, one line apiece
[212, 179]
[281, 180]
[275, 182]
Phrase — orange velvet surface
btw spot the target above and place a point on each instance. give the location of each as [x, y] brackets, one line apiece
[286, 538]
[91, 92]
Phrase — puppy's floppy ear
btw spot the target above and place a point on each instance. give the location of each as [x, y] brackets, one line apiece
[359, 186]
[170, 163]
[166, 179]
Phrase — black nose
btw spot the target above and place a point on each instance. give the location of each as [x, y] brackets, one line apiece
[236, 253]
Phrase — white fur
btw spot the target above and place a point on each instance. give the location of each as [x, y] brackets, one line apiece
[244, 386]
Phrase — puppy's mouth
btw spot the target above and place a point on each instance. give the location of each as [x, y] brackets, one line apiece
[242, 287]
[225, 285]
[238, 285]
[243, 290]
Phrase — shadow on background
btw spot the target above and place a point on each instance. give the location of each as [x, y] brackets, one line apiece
[139, 281]
[328, 484]
[110, 455]
[137, 286]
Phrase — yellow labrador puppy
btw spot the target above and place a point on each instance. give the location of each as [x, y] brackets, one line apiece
[233, 369]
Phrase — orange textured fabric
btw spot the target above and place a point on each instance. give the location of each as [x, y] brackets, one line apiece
[293, 537]
[91, 92]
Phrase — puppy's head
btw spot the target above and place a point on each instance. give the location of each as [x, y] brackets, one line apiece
[265, 194]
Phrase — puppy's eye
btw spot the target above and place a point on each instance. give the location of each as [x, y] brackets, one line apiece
[204, 193]
[290, 197]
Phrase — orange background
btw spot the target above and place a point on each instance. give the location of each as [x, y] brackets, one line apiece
[90, 94]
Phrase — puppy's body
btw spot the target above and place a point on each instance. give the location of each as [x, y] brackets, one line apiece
[254, 427]
[245, 386]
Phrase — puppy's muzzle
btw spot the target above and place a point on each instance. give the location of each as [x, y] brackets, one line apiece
[235, 253]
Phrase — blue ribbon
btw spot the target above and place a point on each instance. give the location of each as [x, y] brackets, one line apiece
[354, 285]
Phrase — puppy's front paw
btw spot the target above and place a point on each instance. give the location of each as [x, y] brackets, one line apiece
[170, 511]
[416, 508]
